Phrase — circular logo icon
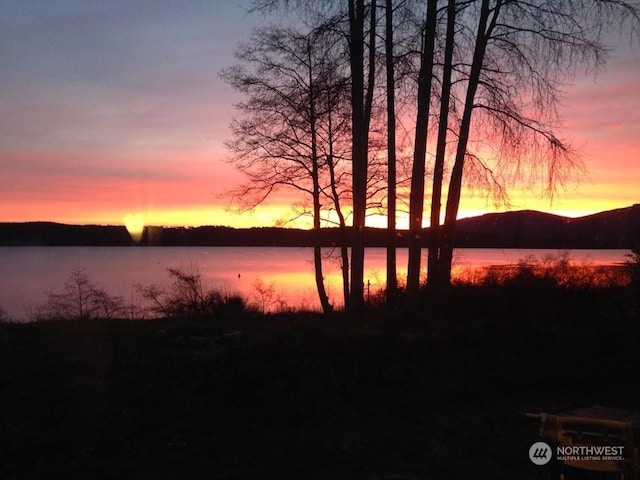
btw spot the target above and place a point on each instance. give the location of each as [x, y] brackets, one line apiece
[540, 453]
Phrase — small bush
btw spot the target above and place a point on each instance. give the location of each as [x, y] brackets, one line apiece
[633, 265]
[188, 298]
[232, 303]
[265, 298]
[80, 299]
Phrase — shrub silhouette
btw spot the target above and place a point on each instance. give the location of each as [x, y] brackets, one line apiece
[187, 297]
[549, 287]
[633, 265]
[80, 299]
[557, 271]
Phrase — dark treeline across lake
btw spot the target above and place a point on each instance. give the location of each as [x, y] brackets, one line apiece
[525, 229]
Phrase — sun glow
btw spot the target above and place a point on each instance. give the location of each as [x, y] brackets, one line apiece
[135, 226]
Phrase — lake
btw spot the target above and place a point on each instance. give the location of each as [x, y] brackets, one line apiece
[29, 274]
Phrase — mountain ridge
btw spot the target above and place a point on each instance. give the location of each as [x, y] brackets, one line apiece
[618, 228]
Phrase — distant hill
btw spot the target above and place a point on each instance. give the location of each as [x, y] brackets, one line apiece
[618, 228]
[522, 229]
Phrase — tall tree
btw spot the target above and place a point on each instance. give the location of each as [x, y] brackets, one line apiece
[361, 107]
[522, 53]
[342, 226]
[441, 146]
[278, 142]
[497, 75]
[485, 26]
[392, 275]
[315, 178]
[416, 196]
[338, 129]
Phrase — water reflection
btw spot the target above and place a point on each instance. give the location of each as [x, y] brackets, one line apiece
[27, 274]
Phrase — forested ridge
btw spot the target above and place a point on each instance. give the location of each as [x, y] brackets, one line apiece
[523, 229]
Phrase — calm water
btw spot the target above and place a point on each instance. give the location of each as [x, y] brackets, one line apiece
[29, 274]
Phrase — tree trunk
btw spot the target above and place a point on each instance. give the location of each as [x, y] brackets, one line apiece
[342, 224]
[392, 276]
[317, 261]
[315, 174]
[455, 184]
[361, 115]
[416, 195]
[358, 149]
[438, 170]
[342, 227]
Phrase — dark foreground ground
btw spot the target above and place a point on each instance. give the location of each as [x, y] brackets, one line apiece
[300, 396]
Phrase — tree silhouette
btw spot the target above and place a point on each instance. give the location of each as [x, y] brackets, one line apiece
[416, 198]
[80, 298]
[292, 80]
[493, 71]
[362, 88]
[392, 275]
[508, 88]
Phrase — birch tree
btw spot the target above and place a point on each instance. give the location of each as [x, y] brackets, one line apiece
[279, 143]
[508, 91]
[416, 198]
[362, 88]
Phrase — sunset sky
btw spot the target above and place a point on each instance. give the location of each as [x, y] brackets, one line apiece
[116, 109]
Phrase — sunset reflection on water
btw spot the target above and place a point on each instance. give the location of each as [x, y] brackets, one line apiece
[292, 277]
[286, 274]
